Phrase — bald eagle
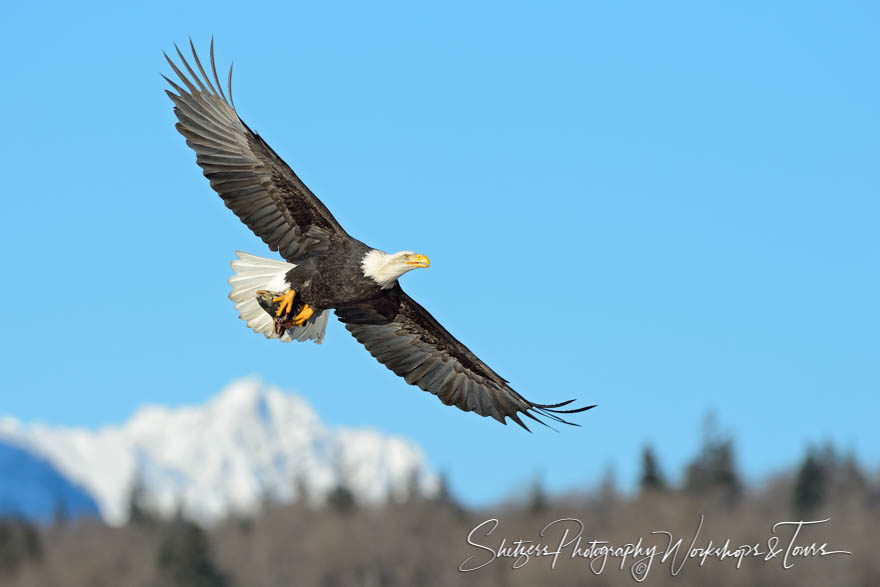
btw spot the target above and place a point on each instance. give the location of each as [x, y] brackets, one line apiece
[325, 268]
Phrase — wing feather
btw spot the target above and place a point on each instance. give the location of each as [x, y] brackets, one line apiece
[253, 181]
[404, 337]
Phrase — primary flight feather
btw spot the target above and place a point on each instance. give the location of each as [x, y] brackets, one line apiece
[325, 268]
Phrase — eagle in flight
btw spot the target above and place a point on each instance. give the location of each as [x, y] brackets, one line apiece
[326, 269]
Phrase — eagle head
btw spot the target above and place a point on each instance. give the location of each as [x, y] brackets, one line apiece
[385, 268]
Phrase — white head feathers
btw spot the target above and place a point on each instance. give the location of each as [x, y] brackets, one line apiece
[385, 268]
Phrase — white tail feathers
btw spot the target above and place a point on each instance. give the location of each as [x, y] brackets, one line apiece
[254, 273]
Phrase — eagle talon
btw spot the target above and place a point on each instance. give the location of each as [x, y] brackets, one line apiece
[304, 315]
[286, 303]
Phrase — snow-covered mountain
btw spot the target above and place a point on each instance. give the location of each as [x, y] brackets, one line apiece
[248, 443]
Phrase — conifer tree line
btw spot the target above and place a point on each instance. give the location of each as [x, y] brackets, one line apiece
[421, 541]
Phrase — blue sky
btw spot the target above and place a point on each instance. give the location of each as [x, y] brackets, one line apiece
[663, 210]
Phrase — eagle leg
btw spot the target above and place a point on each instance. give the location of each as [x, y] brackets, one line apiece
[304, 315]
[286, 302]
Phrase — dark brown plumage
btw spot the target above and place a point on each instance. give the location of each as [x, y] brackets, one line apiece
[265, 193]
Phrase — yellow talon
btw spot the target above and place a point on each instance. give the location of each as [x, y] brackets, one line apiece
[286, 303]
[304, 315]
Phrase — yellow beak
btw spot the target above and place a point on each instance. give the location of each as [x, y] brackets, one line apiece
[419, 261]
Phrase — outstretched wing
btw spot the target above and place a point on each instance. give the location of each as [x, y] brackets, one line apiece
[252, 179]
[404, 337]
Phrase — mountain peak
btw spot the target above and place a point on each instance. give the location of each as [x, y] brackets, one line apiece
[248, 442]
[250, 398]
[241, 393]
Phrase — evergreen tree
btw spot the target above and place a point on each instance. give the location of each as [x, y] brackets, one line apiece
[652, 478]
[341, 499]
[445, 498]
[537, 502]
[19, 543]
[139, 512]
[811, 483]
[824, 475]
[608, 485]
[444, 495]
[714, 468]
[413, 488]
[184, 558]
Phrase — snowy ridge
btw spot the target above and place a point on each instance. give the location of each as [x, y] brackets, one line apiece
[248, 443]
